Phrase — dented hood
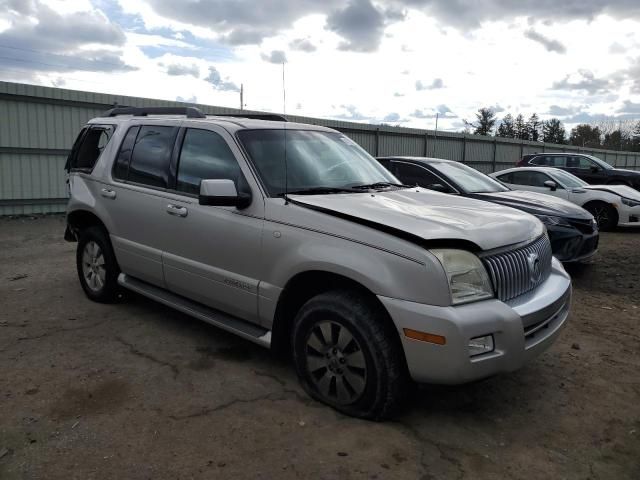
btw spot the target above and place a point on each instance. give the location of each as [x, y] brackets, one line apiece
[430, 216]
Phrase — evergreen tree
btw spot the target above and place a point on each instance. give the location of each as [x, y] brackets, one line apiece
[521, 128]
[485, 121]
[585, 136]
[553, 131]
[506, 127]
[534, 125]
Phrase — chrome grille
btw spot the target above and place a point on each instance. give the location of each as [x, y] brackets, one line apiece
[513, 273]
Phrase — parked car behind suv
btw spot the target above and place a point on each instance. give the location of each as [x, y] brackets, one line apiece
[610, 205]
[591, 169]
[573, 231]
[293, 237]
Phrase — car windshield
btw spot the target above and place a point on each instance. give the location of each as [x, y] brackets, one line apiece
[316, 162]
[470, 180]
[568, 180]
[602, 163]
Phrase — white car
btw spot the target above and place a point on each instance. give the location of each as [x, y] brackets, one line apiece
[611, 205]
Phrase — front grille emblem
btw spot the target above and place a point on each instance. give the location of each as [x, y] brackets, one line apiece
[534, 267]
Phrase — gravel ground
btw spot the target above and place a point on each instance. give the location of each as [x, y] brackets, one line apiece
[135, 390]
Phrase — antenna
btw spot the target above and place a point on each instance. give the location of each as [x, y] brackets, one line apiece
[241, 96]
[284, 112]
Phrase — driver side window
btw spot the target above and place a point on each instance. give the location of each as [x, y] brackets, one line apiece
[414, 175]
[205, 155]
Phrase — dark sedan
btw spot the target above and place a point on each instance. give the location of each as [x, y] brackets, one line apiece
[586, 167]
[572, 230]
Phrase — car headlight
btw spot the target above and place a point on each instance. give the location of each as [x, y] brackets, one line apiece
[550, 220]
[630, 203]
[468, 279]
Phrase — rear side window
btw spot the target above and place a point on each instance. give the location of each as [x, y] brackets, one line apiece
[531, 178]
[151, 155]
[506, 178]
[550, 161]
[414, 175]
[89, 146]
[205, 155]
[121, 167]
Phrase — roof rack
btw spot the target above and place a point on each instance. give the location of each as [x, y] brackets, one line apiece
[190, 112]
[273, 117]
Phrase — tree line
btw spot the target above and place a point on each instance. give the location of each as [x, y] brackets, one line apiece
[609, 133]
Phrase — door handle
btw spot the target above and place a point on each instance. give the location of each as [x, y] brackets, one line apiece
[177, 210]
[105, 192]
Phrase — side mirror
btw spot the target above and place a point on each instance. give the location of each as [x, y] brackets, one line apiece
[595, 169]
[222, 193]
[551, 185]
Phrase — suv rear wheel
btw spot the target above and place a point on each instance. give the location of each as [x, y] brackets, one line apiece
[97, 266]
[348, 356]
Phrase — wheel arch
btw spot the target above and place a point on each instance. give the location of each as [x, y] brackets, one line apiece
[80, 219]
[301, 288]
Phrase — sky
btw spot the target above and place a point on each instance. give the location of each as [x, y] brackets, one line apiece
[398, 62]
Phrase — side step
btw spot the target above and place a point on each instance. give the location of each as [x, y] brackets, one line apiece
[247, 330]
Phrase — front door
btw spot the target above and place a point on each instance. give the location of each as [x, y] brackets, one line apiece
[212, 254]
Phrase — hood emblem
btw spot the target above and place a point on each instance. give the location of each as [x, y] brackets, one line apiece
[534, 267]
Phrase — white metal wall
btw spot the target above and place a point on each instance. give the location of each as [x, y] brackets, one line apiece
[38, 126]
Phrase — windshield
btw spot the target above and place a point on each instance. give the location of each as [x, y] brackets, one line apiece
[314, 161]
[468, 179]
[602, 163]
[568, 180]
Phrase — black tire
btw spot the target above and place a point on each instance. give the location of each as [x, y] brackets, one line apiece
[381, 389]
[106, 291]
[605, 214]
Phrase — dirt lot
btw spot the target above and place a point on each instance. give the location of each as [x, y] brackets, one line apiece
[137, 391]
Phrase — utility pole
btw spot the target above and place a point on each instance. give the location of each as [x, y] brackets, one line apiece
[241, 96]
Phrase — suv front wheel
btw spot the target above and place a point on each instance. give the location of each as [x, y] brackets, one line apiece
[348, 356]
[97, 266]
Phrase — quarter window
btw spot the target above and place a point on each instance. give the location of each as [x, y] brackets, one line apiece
[151, 156]
[205, 155]
[89, 147]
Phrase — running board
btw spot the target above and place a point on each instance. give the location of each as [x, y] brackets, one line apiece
[243, 329]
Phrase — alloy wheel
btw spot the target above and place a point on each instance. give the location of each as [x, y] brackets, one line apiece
[336, 363]
[93, 266]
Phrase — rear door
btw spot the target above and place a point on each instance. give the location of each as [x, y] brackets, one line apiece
[135, 198]
[212, 254]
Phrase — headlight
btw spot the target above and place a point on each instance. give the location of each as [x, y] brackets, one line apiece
[551, 220]
[630, 203]
[468, 279]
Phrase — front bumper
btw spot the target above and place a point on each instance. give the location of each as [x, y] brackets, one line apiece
[571, 245]
[628, 216]
[522, 329]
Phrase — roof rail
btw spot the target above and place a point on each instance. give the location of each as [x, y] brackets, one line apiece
[273, 117]
[190, 112]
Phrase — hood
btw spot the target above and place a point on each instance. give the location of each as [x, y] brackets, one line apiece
[626, 172]
[430, 216]
[622, 190]
[534, 203]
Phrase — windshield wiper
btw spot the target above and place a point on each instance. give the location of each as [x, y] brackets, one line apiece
[374, 186]
[320, 191]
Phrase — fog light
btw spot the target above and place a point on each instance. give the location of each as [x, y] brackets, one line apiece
[480, 345]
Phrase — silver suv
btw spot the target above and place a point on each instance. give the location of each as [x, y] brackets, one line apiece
[293, 237]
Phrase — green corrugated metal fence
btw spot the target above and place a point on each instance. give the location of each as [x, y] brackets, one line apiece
[38, 126]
